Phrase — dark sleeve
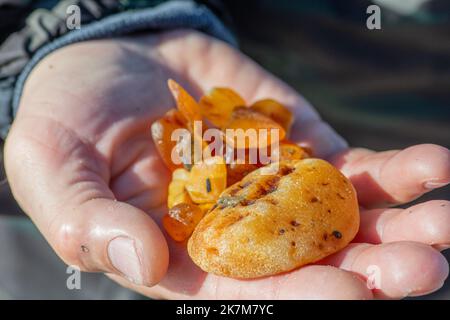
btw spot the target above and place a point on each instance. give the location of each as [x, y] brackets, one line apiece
[45, 30]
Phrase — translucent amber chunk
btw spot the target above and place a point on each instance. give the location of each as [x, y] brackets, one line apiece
[177, 188]
[276, 111]
[218, 104]
[185, 102]
[246, 118]
[237, 171]
[291, 151]
[207, 180]
[181, 220]
[161, 131]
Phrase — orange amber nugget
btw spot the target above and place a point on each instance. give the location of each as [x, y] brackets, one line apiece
[218, 104]
[207, 180]
[245, 118]
[185, 102]
[181, 221]
[177, 192]
[291, 151]
[237, 171]
[276, 111]
[162, 130]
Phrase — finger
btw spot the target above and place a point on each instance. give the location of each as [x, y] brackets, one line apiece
[145, 200]
[251, 81]
[184, 280]
[144, 182]
[61, 183]
[396, 269]
[310, 282]
[427, 223]
[392, 177]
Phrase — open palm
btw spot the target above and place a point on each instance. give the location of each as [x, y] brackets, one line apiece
[82, 165]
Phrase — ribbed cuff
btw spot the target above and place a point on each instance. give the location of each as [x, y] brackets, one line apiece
[167, 16]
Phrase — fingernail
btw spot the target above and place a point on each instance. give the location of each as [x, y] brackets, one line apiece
[435, 184]
[124, 257]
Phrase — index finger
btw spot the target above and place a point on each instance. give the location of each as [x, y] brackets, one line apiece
[396, 176]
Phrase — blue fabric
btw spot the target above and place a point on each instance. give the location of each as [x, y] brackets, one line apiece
[170, 15]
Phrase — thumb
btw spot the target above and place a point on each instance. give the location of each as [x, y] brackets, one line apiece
[62, 184]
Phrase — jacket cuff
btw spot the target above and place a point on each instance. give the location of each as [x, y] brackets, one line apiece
[166, 16]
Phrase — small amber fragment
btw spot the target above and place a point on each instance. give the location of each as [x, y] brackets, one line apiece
[177, 188]
[161, 131]
[207, 180]
[185, 102]
[291, 151]
[237, 171]
[276, 111]
[258, 123]
[218, 104]
[181, 220]
[190, 109]
[180, 174]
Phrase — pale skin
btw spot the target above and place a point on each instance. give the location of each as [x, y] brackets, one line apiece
[82, 165]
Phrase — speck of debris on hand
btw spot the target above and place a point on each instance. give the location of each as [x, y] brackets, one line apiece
[281, 231]
[337, 234]
[208, 185]
[84, 249]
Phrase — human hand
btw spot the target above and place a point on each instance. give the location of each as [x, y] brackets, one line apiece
[82, 165]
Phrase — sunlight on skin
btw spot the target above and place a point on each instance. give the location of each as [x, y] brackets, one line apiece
[81, 164]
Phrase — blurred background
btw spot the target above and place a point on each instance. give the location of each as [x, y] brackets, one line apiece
[381, 89]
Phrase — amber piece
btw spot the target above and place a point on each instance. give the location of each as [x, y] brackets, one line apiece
[273, 223]
[161, 131]
[181, 220]
[190, 109]
[237, 171]
[291, 151]
[185, 102]
[218, 104]
[246, 118]
[180, 174]
[207, 180]
[276, 111]
[287, 150]
[177, 192]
